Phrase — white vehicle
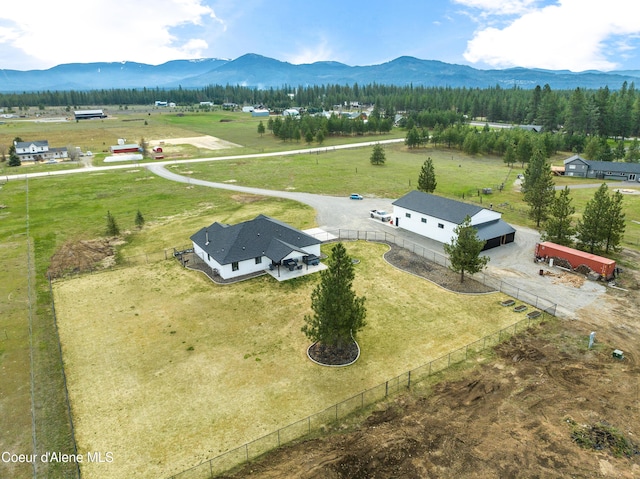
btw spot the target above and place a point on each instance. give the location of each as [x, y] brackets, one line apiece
[381, 215]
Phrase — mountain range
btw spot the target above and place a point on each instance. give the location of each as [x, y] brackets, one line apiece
[257, 71]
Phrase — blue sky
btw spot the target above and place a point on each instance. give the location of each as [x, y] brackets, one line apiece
[574, 35]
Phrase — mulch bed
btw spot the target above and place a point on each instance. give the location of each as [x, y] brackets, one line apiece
[404, 259]
[332, 356]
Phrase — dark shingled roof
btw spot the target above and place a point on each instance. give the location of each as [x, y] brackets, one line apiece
[261, 236]
[437, 206]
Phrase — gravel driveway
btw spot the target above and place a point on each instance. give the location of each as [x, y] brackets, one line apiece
[512, 263]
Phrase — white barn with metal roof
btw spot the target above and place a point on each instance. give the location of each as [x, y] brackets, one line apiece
[436, 218]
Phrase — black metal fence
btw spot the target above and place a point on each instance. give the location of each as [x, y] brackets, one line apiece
[323, 419]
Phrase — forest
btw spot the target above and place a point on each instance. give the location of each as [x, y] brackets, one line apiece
[612, 113]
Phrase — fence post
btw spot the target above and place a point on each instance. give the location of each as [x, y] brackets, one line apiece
[409, 381]
[386, 389]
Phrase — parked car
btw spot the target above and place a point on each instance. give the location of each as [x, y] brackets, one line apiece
[381, 215]
[355, 196]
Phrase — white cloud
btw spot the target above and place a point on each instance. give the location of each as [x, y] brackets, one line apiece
[499, 7]
[572, 34]
[320, 51]
[104, 30]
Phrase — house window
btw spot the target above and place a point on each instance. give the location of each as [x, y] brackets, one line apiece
[234, 266]
[441, 226]
[208, 257]
[408, 215]
[572, 167]
[424, 220]
[258, 259]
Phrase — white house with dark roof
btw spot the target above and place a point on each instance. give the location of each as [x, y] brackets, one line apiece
[39, 151]
[262, 243]
[601, 170]
[436, 218]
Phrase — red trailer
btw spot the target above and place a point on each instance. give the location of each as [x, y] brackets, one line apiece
[605, 267]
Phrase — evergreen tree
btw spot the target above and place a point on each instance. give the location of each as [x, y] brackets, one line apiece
[337, 312]
[614, 223]
[558, 227]
[413, 138]
[377, 155]
[633, 153]
[591, 229]
[112, 226]
[261, 128]
[427, 179]
[464, 250]
[538, 187]
[510, 154]
[14, 158]
[139, 221]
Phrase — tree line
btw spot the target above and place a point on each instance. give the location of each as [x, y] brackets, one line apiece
[582, 113]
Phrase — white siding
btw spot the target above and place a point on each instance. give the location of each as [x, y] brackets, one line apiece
[485, 216]
[249, 265]
[430, 229]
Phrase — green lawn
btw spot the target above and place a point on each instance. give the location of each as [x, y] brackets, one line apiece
[75, 207]
[167, 369]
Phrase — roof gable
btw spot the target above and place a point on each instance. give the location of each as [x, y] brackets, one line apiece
[250, 239]
[437, 206]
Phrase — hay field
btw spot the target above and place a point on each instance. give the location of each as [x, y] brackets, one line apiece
[166, 369]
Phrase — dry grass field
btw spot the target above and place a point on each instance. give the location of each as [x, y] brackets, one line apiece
[166, 369]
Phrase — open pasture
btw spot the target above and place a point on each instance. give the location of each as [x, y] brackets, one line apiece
[166, 369]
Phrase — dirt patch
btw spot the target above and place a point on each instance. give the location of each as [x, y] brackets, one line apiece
[208, 142]
[246, 199]
[83, 256]
[415, 264]
[545, 406]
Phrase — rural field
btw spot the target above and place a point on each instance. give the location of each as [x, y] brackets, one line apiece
[166, 369]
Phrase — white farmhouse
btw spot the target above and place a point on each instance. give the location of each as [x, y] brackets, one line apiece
[436, 218]
[262, 243]
[39, 151]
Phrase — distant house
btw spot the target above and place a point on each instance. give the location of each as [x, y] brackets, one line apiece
[131, 148]
[259, 112]
[533, 128]
[601, 170]
[88, 114]
[291, 112]
[436, 218]
[256, 245]
[39, 151]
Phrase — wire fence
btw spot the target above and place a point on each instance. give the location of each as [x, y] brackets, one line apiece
[323, 419]
[329, 416]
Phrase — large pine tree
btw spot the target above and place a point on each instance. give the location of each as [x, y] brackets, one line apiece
[538, 187]
[614, 223]
[464, 250]
[558, 227]
[591, 230]
[427, 179]
[337, 312]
